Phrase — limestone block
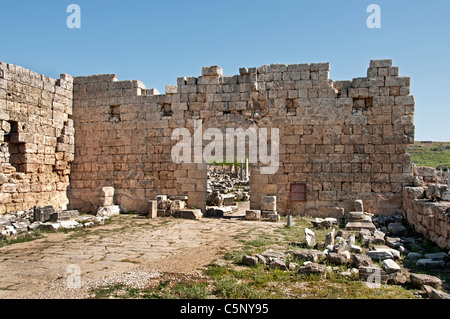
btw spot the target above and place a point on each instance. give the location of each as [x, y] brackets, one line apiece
[64, 215]
[152, 209]
[269, 203]
[359, 207]
[107, 192]
[108, 211]
[381, 63]
[273, 217]
[190, 214]
[212, 71]
[390, 266]
[253, 215]
[43, 214]
[171, 89]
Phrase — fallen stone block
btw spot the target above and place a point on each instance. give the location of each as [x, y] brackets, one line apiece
[355, 249]
[341, 247]
[292, 266]
[435, 294]
[261, 259]
[329, 238]
[379, 237]
[273, 254]
[393, 242]
[249, 260]
[108, 211]
[228, 199]
[351, 240]
[70, 224]
[430, 263]
[436, 256]
[396, 278]
[397, 229]
[314, 269]
[50, 226]
[394, 252]
[22, 226]
[190, 214]
[373, 275]
[273, 217]
[308, 255]
[277, 263]
[337, 259]
[360, 260]
[35, 225]
[253, 215]
[414, 256]
[310, 238]
[380, 255]
[358, 225]
[43, 214]
[324, 222]
[436, 191]
[390, 266]
[419, 280]
[64, 215]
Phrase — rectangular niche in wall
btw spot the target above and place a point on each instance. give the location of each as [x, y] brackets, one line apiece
[114, 113]
[15, 148]
[298, 192]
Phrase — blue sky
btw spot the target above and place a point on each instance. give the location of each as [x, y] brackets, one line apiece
[158, 41]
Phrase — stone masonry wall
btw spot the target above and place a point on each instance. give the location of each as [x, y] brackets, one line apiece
[345, 140]
[430, 218]
[36, 139]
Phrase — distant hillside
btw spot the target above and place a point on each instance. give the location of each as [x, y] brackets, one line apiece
[432, 154]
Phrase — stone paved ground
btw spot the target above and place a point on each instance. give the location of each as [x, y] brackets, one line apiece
[130, 249]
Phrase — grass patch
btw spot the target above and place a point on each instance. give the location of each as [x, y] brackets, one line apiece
[430, 154]
[22, 239]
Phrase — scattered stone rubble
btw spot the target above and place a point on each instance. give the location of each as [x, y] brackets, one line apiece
[22, 223]
[176, 206]
[385, 243]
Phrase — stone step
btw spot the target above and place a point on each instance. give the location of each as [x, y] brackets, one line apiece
[358, 225]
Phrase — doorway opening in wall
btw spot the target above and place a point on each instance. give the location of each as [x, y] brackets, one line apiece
[228, 189]
[15, 149]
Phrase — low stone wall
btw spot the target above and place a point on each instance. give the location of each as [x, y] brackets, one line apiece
[430, 218]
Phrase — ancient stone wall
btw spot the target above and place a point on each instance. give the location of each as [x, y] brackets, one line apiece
[345, 140]
[36, 139]
[426, 205]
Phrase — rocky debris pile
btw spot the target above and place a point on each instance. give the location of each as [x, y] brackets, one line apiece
[176, 206]
[324, 222]
[218, 199]
[431, 185]
[22, 223]
[399, 236]
[228, 180]
[378, 256]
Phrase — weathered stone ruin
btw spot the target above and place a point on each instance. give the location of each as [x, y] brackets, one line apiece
[65, 140]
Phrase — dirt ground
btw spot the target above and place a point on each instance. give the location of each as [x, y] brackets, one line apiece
[131, 249]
